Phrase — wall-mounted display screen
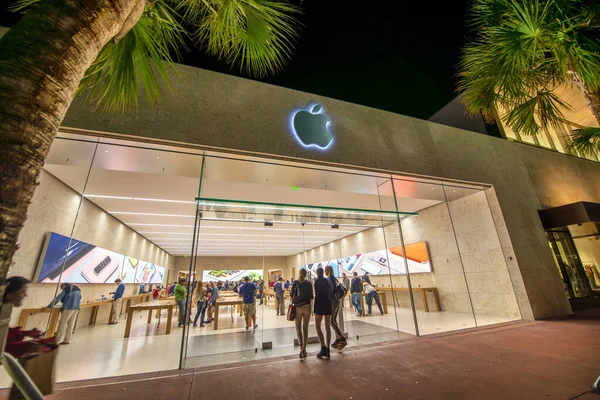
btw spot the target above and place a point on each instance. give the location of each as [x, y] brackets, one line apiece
[86, 263]
[377, 263]
[231, 275]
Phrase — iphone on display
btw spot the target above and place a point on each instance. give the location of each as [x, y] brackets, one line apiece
[146, 272]
[69, 258]
[349, 263]
[371, 268]
[99, 267]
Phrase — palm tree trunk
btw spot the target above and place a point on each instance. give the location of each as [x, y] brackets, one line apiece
[42, 60]
[594, 102]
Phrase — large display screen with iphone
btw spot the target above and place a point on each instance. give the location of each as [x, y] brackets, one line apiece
[380, 262]
[86, 263]
[231, 275]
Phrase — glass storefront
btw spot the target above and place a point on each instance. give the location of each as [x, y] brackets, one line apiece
[150, 214]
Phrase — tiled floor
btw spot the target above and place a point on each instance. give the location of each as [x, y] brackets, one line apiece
[101, 351]
[555, 359]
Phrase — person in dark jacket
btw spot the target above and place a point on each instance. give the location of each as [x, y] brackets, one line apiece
[323, 309]
[366, 278]
[302, 295]
[356, 289]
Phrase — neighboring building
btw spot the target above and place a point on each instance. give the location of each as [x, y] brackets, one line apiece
[557, 138]
[216, 181]
[455, 114]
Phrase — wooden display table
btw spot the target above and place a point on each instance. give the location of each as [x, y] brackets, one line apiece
[54, 317]
[423, 290]
[223, 302]
[127, 300]
[150, 306]
[94, 305]
[382, 298]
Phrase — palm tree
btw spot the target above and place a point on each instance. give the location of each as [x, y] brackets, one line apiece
[106, 49]
[522, 51]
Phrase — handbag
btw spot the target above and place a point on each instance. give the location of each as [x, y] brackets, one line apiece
[291, 313]
[339, 292]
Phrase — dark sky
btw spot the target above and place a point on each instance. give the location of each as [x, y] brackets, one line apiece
[392, 55]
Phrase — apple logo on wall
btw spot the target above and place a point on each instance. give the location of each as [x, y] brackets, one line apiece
[310, 126]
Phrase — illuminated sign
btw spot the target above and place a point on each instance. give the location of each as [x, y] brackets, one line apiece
[310, 127]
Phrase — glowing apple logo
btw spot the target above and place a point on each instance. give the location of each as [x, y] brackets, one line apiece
[311, 127]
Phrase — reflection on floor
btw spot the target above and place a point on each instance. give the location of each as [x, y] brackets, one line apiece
[101, 351]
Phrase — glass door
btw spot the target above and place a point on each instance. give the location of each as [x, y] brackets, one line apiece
[240, 241]
[569, 264]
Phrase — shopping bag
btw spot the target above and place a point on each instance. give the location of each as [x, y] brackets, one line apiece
[291, 313]
[41, 370]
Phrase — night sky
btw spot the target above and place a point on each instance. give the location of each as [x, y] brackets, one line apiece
[384, 54]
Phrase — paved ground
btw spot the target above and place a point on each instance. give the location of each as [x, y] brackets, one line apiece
[557, 359]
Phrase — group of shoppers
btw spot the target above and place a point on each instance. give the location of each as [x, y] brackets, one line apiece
[205, 296]
[358, 286]
[324, 294]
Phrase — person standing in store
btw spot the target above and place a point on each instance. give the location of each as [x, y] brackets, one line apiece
[70, 297]
[226, 285]
[181, 300]
[286, 285]
[346, 285]
[323, 309]
[214, 296]
[366, 278]
[336, 305]
[356, 289]
[116, 304]
[261, 290]
[302, 295]
[248, 292]
[371, 293]
[200, 298]
[279, 291]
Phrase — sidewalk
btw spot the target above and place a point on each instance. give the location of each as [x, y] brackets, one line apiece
[555, 359]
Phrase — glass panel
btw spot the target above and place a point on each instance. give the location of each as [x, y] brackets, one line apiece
[439, 287]
[566, 252]
[589, 250]
[46, 252]
[490, 287]
[139, 207]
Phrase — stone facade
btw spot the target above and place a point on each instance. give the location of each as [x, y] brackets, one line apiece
[217, 111]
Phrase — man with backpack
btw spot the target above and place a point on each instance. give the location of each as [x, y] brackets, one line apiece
[356, 289]
[339, 292]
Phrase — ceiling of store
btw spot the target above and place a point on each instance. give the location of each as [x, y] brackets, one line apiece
[153, 192]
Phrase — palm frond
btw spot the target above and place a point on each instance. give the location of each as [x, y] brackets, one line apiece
[146, 51]
[542, 111]
[586, 141]
[257, 35]
[22, 5]
[521, 51]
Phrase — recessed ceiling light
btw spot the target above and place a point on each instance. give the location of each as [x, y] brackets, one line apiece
[157, 157]
[106, 151]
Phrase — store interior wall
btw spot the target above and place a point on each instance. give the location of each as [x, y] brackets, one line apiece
[485, 280]
[53, 209]
[206, 263]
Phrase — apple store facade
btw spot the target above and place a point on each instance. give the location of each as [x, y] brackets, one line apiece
[230, 178]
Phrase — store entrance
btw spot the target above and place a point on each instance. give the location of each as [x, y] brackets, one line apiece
[270, 243]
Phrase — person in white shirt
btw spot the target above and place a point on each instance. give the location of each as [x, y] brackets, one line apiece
[370, 294]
